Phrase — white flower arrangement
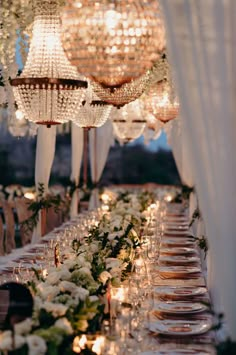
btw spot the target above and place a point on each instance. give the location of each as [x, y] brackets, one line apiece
[36, 345]
[75, 283]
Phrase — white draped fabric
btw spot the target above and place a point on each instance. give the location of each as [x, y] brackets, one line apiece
[173, 132]
[77, 144]
[45, 152]
[202, 48]
[100, 140]
[176, 135]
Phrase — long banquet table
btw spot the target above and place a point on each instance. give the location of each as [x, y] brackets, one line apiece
[170, 312]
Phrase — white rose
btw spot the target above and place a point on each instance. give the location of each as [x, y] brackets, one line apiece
[113, 263]
[67, 286]
[23, 327]
[64, 324]
[114, 242]
[48, 292]
[93, 298]
[115, 271]
[112, 236]
[6, 341]
[36, 344]
[85, 270]
[53, 278]
[104, 276]
[38, 302]
[70, 264]
[80, 260]
[93, 247]
[57, 310]
[81, 293]
[64, 273]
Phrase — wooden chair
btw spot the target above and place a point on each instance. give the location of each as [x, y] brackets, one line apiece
[21, 205]
[2, 252]
[53, 219]
[10, 243]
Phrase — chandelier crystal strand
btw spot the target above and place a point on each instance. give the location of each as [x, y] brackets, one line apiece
[49, 90]
[93, 112]
[113, 42]
[128, 92]
[129, 122]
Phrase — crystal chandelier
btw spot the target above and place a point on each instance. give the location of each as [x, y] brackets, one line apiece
[128, 92]
[161, 102]
[128, 122]
[93, 112]
[113, 42]
[49, 91]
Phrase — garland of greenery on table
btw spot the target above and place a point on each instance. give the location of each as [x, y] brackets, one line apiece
[72, 300]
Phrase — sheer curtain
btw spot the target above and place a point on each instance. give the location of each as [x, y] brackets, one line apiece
[45, 151]
[176, 135]
[202, 48]
[173, 132]
[100, 140]
[77, 135]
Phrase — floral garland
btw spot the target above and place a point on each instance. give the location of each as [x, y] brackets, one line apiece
[69, 301]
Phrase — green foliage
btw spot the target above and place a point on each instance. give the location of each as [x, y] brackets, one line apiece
[183, 195]
[202, 243]
[45, 318]
[43, 203]
[186, 191]
[24, 350]
[196, 215]
[145, 199]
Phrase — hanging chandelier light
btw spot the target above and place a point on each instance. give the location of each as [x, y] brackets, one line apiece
[161, 102]
[49, 91]
[93, 112]
[128, 122]
[113, 42]
[120, 96]
[128, 92]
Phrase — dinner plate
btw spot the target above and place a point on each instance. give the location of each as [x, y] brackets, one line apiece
[180, 307]
[182, 242]
[177, 227]
[178, 292]
[180, 327]
[179, 271]
[177, 251]
[179, 260]
[178, 224]
[176, 232]
[178, 219]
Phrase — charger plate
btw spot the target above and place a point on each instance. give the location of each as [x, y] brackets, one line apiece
[179, 260]
[180, 327]
[177, 251]
[180, 307]
[168, 291]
